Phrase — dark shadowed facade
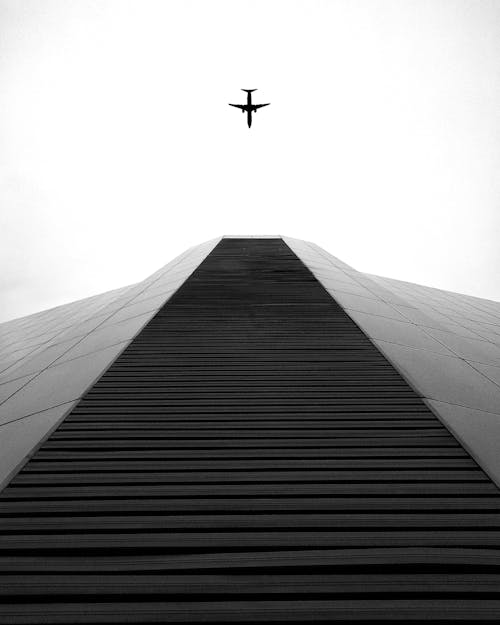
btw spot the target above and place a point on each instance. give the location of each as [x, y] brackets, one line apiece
[256, 433]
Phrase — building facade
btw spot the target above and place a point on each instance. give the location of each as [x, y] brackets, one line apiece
[255, 433]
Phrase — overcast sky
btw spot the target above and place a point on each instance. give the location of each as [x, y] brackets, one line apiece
[118, 149]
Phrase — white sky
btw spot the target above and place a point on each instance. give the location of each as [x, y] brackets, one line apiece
[118, 149]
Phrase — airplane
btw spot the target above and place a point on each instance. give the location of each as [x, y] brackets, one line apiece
[249, 107]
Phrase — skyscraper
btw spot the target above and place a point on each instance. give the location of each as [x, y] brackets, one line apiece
[255, 433]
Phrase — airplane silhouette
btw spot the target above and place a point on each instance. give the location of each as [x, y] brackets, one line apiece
[249, 107]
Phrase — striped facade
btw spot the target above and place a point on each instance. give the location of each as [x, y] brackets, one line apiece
[254, 453]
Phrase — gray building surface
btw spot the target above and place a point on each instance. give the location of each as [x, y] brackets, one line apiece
[50, 359]
[395, 514]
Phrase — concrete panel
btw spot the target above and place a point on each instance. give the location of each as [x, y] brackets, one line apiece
[400, 332]
[487, 333]
[420, 317]
[469, 349]
[366, 305]
[445, 379]
[461, 330]
[11, 359]
[37, 361]
[9, 388]
[156, 290]
[59, 384]
[385, 294]
[491, 372]
[151, 304]
[105, 336]
[83, 328]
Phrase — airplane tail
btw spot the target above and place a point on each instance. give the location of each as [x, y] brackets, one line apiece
[249, 90]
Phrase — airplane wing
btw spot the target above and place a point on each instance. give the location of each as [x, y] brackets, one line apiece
[257, 106]
[238, 106]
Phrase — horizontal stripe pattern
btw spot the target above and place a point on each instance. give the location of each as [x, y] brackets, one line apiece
[250, 457]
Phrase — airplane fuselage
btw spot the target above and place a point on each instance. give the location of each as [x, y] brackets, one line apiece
[249, 117]
[249, 108]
